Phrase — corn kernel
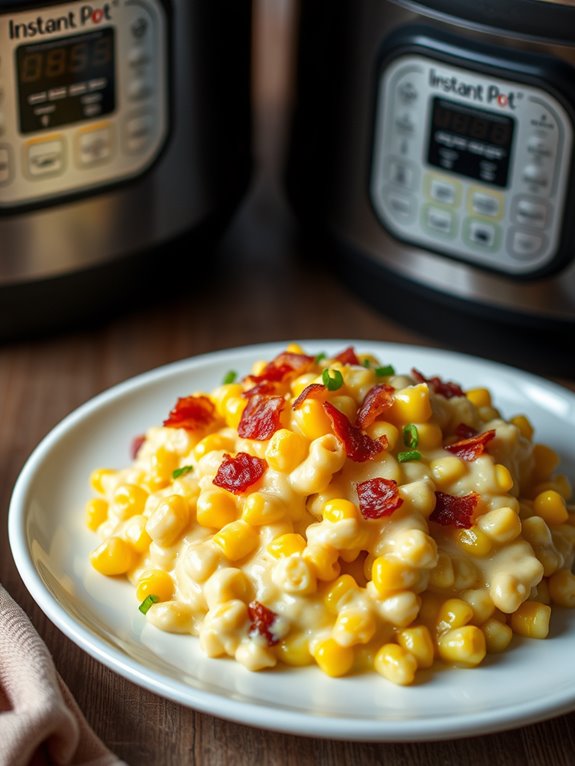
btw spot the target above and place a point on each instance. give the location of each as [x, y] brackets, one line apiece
[465, 646]
[481, 603]
[447, 470]
[354, 626]
[129, 500]
[523, 424]
[430, 436]
[233, 410]
[294, 348]
[286, 545]
[286, 450]
[100, 479]
[497, 634]
[294, 650]
[396, 664]
[381, 428]
[430, 606]
[216, 508]
[338, 591]
[418, 642]
[473, 541]
[324, 560]
[163, 463]
[221, 394]
[237, 540]
[442, 576]
[562, 588]
[333, 659]
[260, 509]
[169, 520]
[225, 585]
[551, 507]
[531, 620]
[410, 405]
[546, 461]
[113, 557]
[155, 582]
[210, 443]
[416, 548]
[390, 575]
[541, 591]
[135, 533]
[453, 613]
[503, 478]
[345, 404]
[96, 512]
[339, 509]
[312, 420]
[480, 397]
[502, 525]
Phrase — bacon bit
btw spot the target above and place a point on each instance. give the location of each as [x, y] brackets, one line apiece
[471, 448]
[282, 366]
[260, 389]
[376, 401]
[313, 391]
[137, 442]
[238, 473]
[452, 511]
[262, 621]
[347, 356]
[261, 417]
[378, 498]
[448, 389]
[358, 445]
[191, 413]
[464, 431]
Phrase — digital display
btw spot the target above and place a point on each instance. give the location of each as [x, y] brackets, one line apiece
[67, 80]
[471, 142]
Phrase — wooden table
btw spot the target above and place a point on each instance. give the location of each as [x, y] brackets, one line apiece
[265, 291]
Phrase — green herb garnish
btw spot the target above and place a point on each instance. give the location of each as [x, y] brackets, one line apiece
[147, 603]
[332, 379]
[230, 377]
[182, 471]
[366, 363]
[407, 455]
[410, 436]
[384, 372]
[320, 357]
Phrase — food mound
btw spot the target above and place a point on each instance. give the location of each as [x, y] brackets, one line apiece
[333, 511]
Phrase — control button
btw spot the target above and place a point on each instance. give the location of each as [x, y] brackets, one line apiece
[94, 146]
[445, 192]
[490, 205]
[401, 207]
[139, 132]
[139, 90]
[481, 234]
[402, 173]
[407, 93]
[539, 146]
[529, 212]
[138, 57]
[139, 27]
[439, 221]
[525, 246]
[405, 124]
[5, 165]
[536, 174]
[45, 158]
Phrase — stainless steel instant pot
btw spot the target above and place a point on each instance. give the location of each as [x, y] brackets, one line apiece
[433, 143]
[124, 127]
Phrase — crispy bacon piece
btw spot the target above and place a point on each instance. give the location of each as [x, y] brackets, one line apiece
[313, 391]
[464, 431]
[452, 511]
[376, 401]
[261, 417]
[448, 389]
[262, 621]
[283, 366]
[260, 389]
[192, 413]
[238, 473]
[471, 448]
[137, 442]
[358, 445]
[347, 356]
[378, 498]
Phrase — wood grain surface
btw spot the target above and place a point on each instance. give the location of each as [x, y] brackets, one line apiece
[260, 288]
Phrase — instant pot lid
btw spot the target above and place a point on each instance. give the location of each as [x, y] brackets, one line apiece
[549, 19]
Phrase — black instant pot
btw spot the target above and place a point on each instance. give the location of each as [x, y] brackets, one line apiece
[125, 140]
[431, 158]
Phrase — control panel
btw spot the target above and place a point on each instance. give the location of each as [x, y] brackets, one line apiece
[469, 165]
[83, 97]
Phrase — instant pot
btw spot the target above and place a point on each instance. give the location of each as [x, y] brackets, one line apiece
[432, 144]
[125, 138]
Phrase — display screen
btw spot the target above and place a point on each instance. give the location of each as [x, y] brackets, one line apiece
[67, 80]
[471, 142]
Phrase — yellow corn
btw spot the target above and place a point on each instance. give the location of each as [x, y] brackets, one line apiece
[502, 525]
[113, 557]
[100, 479]
[324, 560]
[286, 450]
[221, 394]
[339, 509]
[503, 478]
[381, 428]
[302, 381]
[345, 404]
[481, 603]
[354, 626]
[542, 593]
[430, 606]
[453, 613]
[410, 405]
[155, 582]
[390, 575]
[312, 420]
[546, 461]
[164, 462]
[294, 650]
[169, 520]
[416, 548]
[463, 646]
[294, 348]
[473, 541]
[96, 512]
[260, 509]
[497, 634]
[210, 443]
[129, 500]
[396, 664]
[447, 470]
[333, 659]
[286, 545]
[135, 533]
[531, 620]
[523, 424]
[442, 576]
[551, 507]
[480, 397]
[334, 595]
[233, 410]
[418, 642]
[216, 508]
[237, 540]
[430, 436]
[562, 588]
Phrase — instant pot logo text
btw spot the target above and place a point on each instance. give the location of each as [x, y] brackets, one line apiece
[491, 95]
[86, 15]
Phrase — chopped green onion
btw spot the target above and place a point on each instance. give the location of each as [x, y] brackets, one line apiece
[411, 454]
[320, 357]
[332, 379]
[147, 603]
[182, 471]
[383, 372]
[230, 377]
[410, 436]
[366, 363]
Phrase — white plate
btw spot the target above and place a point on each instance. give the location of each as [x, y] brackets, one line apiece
[530, 682]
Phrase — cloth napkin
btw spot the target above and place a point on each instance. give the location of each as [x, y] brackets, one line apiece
[40, 721]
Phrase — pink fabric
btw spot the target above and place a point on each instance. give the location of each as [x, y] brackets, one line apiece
[40, 721]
